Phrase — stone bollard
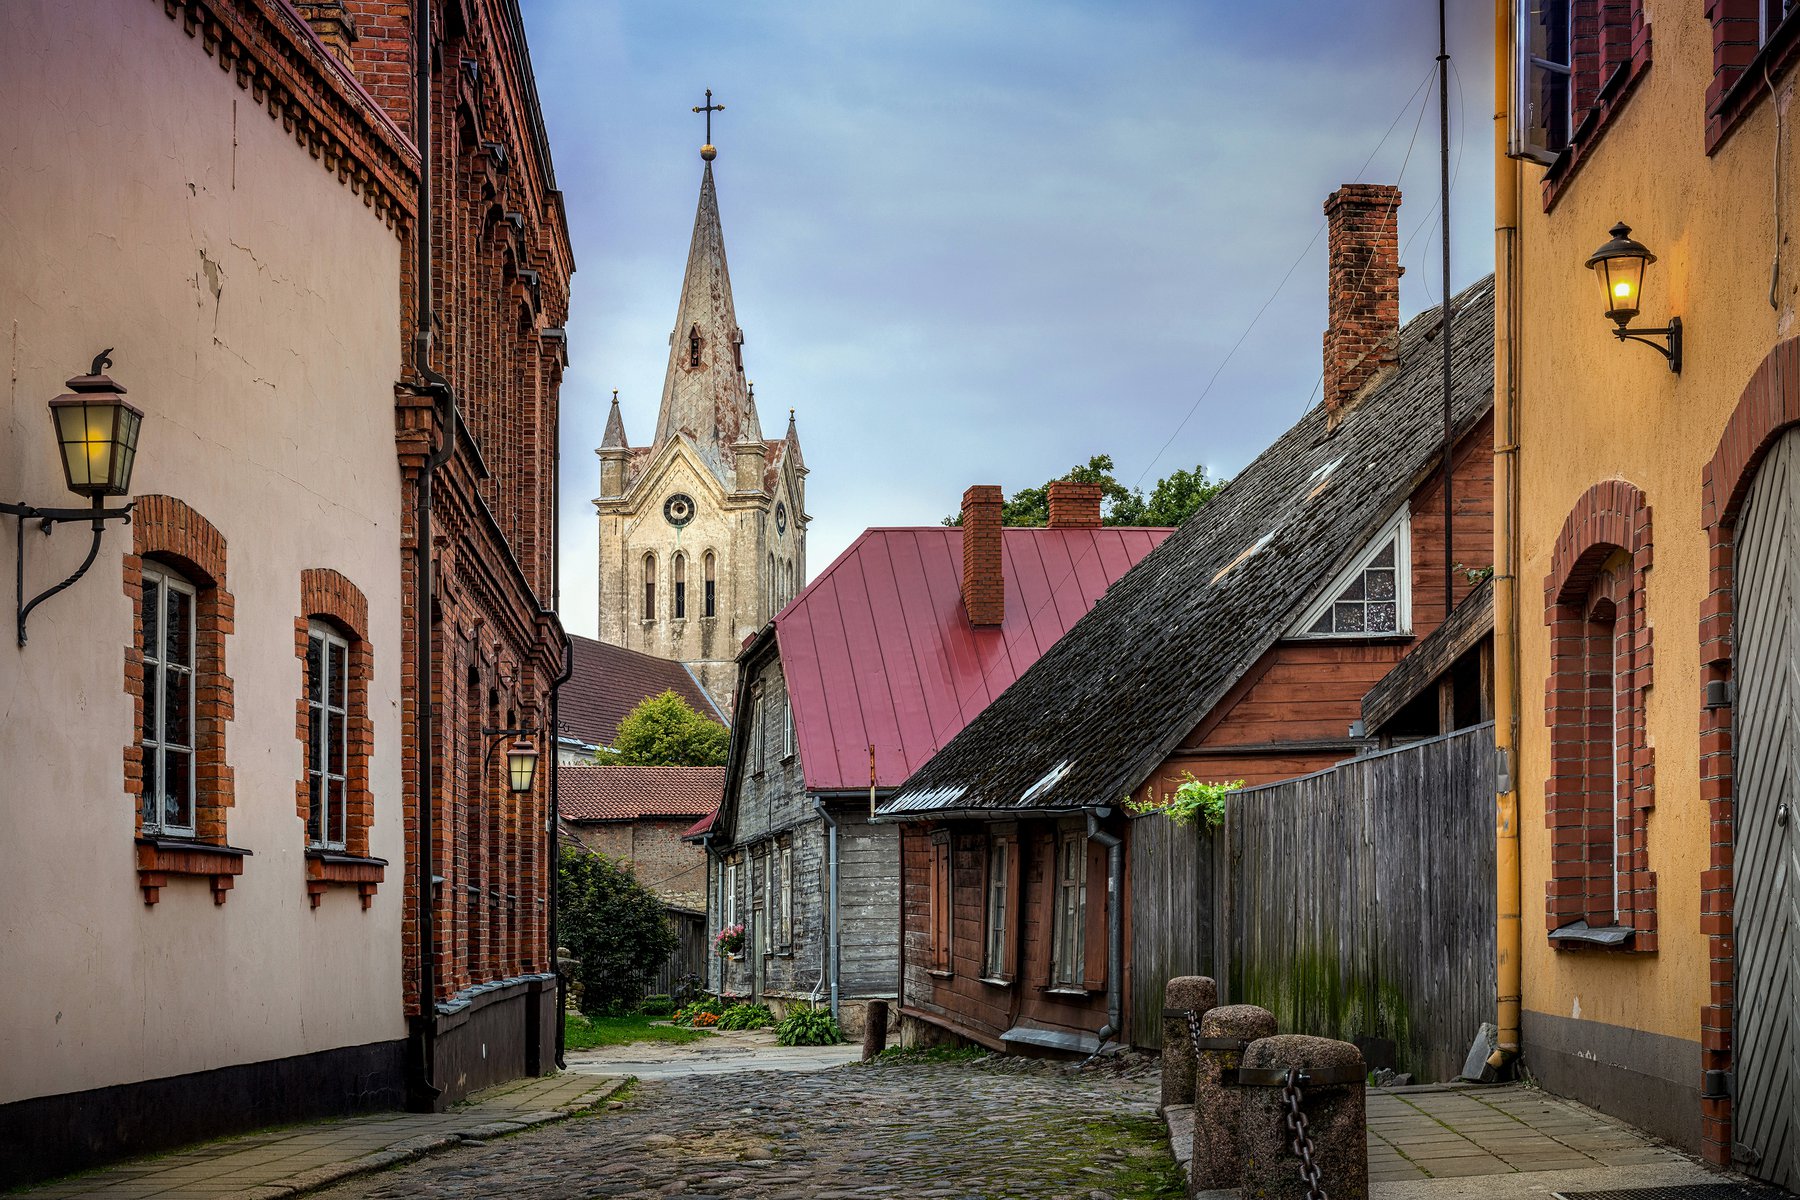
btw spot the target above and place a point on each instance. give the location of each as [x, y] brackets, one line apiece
[1224, 1032]
[1332, 1103]
[1183, 994]
[875, 1018]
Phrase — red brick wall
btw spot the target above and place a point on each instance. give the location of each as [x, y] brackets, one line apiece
[675, 870]
[1362, 288]
[983, 585]
[1074, 505]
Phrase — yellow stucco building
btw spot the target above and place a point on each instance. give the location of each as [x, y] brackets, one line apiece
[1648, 564]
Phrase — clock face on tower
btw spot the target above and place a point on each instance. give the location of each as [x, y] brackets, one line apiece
[678, 509]
[780, 517]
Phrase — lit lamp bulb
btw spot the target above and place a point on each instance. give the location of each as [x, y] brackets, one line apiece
[1619, 265]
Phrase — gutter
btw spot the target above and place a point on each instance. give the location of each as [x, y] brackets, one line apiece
[833, 956]
[553, 832]
[1509, 895]
[1115, 923]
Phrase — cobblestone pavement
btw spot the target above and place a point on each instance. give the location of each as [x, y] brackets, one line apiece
[910, 1127]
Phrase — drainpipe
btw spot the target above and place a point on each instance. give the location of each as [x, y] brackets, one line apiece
[831, 828]
[423, 1091]
[1508, 889]
[553, 835]
[1115, 922]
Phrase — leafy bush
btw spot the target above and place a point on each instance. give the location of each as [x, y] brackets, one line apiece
[613, 926]
[1193, 799]
[746, 1016]
[702, 1005]
[808, 1027]
[656, 1006]
[665, 730]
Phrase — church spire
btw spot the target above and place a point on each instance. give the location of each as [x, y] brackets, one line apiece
[615, 427]
[704, 394]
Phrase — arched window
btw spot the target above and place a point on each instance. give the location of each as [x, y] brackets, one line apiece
[168, 623]
[678, 584]
[694, 346]
[712, 595]
[771, 585]
[649, 587]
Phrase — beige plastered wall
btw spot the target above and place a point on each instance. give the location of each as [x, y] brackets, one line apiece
[1590, 409]
[149, 204]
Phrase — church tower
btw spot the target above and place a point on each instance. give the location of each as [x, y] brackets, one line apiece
[703, 530]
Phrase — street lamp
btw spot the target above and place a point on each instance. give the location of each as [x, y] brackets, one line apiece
[1619, 266]
[96, 434]
[521, 765]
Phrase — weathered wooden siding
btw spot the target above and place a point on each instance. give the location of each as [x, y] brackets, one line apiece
[687, 959]
[1175, 903]
[1360, 900]
[868, 909]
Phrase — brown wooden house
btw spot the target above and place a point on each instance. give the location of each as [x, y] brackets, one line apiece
[1241, 648]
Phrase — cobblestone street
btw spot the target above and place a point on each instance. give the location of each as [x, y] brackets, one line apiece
[905, 1128]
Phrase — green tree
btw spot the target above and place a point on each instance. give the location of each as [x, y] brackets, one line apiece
[1173, 500]
[665, 731]
[613, 926]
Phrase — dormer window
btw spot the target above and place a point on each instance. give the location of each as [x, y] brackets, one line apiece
[1374, 597]
[694, 346]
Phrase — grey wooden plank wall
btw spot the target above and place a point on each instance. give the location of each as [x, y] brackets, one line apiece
[1358, 901]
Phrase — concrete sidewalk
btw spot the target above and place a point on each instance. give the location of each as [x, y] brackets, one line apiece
[302, 1158]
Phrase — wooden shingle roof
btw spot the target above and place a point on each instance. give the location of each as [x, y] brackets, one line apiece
[1093, 717]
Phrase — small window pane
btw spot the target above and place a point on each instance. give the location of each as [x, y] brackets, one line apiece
[315, 665]
[151, 804]
[152, 697]
[1385, 558]
[1382, 618]
[1354, 591]
[337, 671]
[312, 807]
[315, 727]
[339, 807]
[1323, 624]
[180, 633]
[1381, 584]
[1347, 618]
[177, 781]
[177, 709]
[152, 614]
[336, 751]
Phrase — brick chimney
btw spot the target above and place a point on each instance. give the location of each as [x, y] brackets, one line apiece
[1074, 505]
[983, 586]
[1363, 290]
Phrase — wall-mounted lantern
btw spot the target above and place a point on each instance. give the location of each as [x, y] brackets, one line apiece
[1619, 265]
[521, 757]
[96, 435]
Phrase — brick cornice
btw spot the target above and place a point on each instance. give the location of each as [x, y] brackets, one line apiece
[280, 61]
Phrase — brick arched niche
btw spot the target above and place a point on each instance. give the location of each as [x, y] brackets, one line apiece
[1602, 784]
[168, 532]
[1767, 408]
[328, 598]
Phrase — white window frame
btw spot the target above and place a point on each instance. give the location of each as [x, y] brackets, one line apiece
[1399, 530]
[787, 725]
[334, 657]
[784, 932]
[994, 948]
[728, 902]
[156, 748]
[758, 755]
[1526, 68]
[1765, 28]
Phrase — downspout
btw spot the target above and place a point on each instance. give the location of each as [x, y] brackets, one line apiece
[553, 835]
[1508, 889]
[1115, 923]
[423, 1091]
[831, 858]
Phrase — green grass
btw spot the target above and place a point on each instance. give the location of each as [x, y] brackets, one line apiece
[1132, 1157]
[581, 1033]
[945, 1054]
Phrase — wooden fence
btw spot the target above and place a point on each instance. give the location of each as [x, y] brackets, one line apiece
[1355, 902]
[688, 957]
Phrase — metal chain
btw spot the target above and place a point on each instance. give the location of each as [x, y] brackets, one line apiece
[1193, 1022]
[1298, 1140]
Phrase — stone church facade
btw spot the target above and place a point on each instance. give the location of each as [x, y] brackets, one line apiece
[703, 530]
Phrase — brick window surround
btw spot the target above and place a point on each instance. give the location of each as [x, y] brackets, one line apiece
[1602, 784]
[1767, 408]
[326, 595]
[1741, 68]
[1609, 52]
[165, 529]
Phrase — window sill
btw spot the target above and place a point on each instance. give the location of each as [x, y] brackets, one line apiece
[160, 857]
[778, 953]
[1612, 97]
[999, 981]
[1751, 87]
[1581, 935]
[937, 974]
[1066, 990]
[326, 867]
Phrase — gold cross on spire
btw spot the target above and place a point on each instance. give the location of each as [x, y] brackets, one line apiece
[709, 151]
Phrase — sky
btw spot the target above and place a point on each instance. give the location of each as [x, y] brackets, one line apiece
[980, 242]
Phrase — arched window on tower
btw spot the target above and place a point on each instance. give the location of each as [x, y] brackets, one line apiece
[711, 599]
[771, 586]
[649, 587]
[694, 346]
[678, 583]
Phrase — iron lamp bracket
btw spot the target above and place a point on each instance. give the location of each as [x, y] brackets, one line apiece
[47, 520]
[1669, 347]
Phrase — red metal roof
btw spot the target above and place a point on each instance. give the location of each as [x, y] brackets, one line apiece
[699, 827]
[622, 793]
[878, 650]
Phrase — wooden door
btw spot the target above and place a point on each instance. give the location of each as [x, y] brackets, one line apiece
[1766, 903]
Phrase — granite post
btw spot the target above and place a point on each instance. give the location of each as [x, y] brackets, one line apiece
[1335, 1116]
[1181, 995]
[1216, 1161]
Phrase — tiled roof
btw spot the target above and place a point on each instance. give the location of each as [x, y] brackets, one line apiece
[618, 793]
[1105, 705]
[609, 681]
[879, 651]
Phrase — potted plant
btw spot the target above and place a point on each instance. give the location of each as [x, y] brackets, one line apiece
[729, 941]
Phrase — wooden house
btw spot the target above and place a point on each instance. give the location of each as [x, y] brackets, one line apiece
[1241, 649]
[855, 685]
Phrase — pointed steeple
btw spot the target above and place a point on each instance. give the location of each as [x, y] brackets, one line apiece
[615, 427]
[705, 397]
[792, 454]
